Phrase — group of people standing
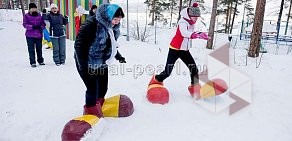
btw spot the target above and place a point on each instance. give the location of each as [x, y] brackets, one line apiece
[34, 23]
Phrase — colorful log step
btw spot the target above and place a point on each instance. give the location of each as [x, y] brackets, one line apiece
[157, 94]
[75, 129]
[213, 87]
[116, 106]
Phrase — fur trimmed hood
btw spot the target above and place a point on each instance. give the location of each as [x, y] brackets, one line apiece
[100, 52]
[105, 13]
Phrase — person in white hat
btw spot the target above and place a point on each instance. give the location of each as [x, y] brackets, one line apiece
[57, 33]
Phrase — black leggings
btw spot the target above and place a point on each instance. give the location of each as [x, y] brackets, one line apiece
[96, 85]
[186, 57]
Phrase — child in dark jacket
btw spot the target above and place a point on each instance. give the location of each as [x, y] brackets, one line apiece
[179, 49]
[95, 47]
[34, 25]
[58, 37]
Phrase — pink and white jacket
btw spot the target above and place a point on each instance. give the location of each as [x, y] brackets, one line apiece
[182, 38]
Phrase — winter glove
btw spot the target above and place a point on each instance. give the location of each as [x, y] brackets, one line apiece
[122, 60]
[36, 27]
[203, 36]
[195, 35]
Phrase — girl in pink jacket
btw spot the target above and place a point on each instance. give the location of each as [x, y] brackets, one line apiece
[179, 48]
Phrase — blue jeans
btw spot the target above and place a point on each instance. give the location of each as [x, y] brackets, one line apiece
[59, 49]
[34, 44]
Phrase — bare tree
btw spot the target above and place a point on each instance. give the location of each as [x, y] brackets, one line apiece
[212, 25]
[228, 11]
[41, 5]
[1, 4]
[254, 47]
[22, 7]
[180, 7]
[153, 12]
[288, 17]
[12, 4]
[171, 12]
[233, 18]
[279, 18]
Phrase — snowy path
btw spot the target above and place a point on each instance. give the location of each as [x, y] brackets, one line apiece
[35, 104]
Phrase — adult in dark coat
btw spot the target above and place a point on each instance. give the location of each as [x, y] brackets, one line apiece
[95, 47]
[57, 33]
[34, 25]
[92, 11]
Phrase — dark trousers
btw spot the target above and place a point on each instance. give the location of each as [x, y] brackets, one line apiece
[96, 85]
[59, 49]
[186, 57]
[34, 44]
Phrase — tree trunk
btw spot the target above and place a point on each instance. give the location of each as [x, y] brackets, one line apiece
[254, 47]
[47, 3]
[1, 4]
[22, 7]
[180, 7]
[41, 5]
[138, 28]
[190, 2]
[212, 25]
[233, 18]
[12, 4]
[145, 28]
[7, 3]
[287, 23]
[153, 12]
[227, 18]
[279, 19]
[171, 12]
[17, 4]
[27, 5]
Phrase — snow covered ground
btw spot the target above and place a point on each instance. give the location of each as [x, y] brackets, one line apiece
[36, 103]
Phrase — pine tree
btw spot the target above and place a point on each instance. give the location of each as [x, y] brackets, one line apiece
[22, 7]
[279, 18]
[230, 9]
[156, 8]
[288, 16]
[173, 7]
[179, 9]
[212, 25]
[254, 47]
[249, 11]
[225, 9]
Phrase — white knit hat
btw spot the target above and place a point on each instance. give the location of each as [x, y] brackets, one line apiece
[53, 6]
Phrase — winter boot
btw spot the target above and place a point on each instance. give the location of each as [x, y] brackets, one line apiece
[194, 90]
[94, 110]
[100, 101]
[154, 81]
[156, 93]
[33, 65]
